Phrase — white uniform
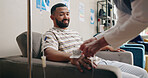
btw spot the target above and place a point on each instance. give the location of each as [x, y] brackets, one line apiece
[128, 26]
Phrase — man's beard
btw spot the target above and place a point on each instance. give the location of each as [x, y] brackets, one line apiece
[61, 24]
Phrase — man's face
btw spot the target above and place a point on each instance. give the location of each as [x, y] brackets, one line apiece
[61, 17]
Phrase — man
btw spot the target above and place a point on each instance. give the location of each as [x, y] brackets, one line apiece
[60, 42]
[132, 19]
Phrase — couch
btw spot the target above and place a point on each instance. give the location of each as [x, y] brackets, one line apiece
[17, 66]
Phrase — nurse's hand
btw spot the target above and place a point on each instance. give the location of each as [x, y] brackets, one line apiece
[91, 46]
[111, 49]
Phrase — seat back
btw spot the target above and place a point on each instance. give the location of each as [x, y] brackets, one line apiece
[36, 44]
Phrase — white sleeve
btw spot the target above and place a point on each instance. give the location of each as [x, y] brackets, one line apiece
[123, 31]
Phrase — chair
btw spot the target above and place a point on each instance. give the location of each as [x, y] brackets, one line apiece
[138, 51]
[16, 66]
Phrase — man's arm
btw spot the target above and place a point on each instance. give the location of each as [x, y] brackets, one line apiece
[50, 47]
[54, 55]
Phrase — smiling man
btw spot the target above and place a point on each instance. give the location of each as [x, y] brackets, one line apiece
[60, 17]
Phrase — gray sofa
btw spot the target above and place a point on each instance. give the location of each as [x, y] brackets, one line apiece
[17, 66]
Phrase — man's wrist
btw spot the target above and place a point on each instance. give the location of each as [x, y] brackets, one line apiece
[76, 54]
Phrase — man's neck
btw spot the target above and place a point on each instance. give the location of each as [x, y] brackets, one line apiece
[59, 27]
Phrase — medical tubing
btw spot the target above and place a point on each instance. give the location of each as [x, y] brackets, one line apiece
[43, 57]
[93, 69]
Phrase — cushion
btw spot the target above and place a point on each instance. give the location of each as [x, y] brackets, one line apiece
[36, 44]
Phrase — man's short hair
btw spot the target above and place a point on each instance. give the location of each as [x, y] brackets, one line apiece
[56, 6]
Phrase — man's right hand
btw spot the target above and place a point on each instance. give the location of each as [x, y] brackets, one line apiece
[82, 61]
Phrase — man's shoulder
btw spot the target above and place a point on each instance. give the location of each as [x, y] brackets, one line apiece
[49, 32]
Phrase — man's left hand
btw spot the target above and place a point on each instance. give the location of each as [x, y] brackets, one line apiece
[82, 61]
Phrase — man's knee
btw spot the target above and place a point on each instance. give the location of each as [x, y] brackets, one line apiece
[144, 74]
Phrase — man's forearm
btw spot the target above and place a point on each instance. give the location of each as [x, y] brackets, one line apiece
[54, 55]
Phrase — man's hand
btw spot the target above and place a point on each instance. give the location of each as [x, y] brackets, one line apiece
[82, 61]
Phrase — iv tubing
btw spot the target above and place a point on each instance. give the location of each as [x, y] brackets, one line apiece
[43, 57]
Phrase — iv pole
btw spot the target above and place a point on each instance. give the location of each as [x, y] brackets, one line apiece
[29, 37]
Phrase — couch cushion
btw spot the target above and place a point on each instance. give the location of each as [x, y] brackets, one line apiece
[36, 44]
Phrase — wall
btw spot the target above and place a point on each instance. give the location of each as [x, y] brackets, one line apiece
[13, 21]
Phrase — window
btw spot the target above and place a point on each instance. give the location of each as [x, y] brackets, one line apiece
[144, 32]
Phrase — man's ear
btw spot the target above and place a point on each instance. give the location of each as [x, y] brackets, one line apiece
[52, 17]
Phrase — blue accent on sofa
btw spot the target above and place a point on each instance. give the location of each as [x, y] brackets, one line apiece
[138, 51]
[140, 40]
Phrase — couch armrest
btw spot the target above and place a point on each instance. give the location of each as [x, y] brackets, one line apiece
[126, 57]
[17, 67]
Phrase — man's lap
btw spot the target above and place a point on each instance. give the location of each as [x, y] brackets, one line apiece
[125, 68]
